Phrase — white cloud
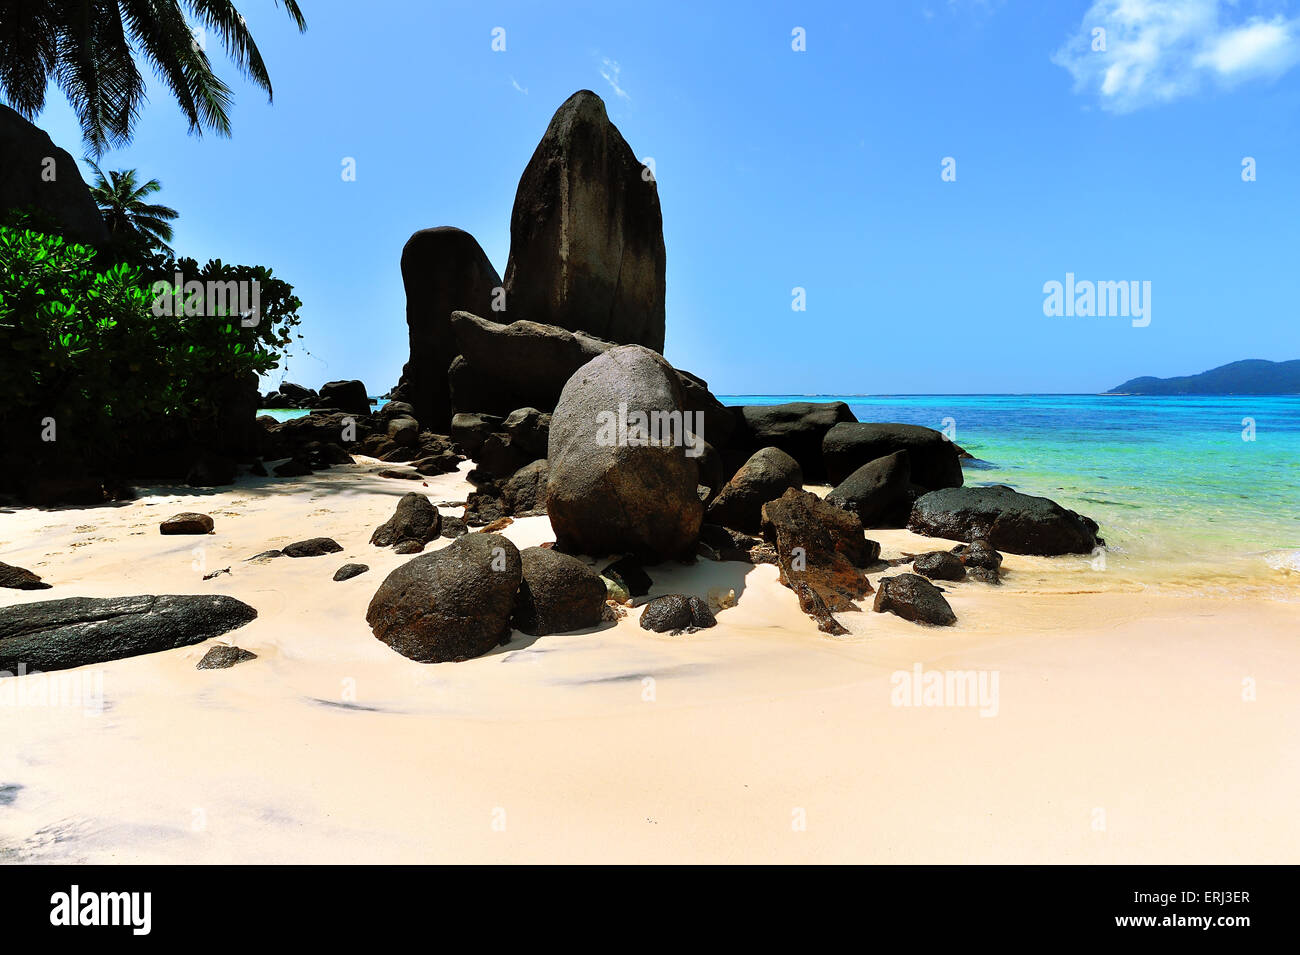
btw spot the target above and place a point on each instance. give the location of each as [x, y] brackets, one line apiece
[1161, 50]
[610, 70]
[1261, 46]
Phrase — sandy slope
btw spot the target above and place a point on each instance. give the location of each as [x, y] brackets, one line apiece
[1120, 734]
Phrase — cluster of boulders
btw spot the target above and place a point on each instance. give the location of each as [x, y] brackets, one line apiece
[553, 383]
[468, 597]
[347, 396]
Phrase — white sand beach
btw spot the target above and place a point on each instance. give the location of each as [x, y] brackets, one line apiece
[1121, 731]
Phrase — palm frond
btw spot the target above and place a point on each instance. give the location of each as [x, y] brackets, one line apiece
[89, 48]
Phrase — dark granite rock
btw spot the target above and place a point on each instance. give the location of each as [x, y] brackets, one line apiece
[403, 431]
[503, 369]
[76, 631]
[617, 490]
[586, 233]
[348, 571]
[530, 431]
[222, 657]
[415, 519]
[470, 429]
[347, 396]
[797, 428]
[978, 553]
[19, 578]
[313, 547]
[64, 199]
[913, 598]
[499, 457]
[524, 494]
[939, 565]
[879, 492]
[813, 605]
[453, 604]
[1008, 520]
[443, 463]
[677, 613]
[485, 506]
[188, 522]
[820, 545]
[558, 593]
[932, 458]
[443, 269]
[768, 474]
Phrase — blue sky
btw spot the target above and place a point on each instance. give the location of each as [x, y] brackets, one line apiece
[818, 169]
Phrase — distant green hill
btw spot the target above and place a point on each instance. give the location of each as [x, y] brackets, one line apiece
[1254, 376]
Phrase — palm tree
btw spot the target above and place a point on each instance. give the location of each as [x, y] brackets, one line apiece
[88, 48]
[129, 218]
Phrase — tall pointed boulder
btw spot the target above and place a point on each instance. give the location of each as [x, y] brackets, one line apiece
[586, 233]
[443, 269]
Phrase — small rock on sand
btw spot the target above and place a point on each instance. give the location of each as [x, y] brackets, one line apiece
[676, 613]
[314, 547]
[222, 657]
[939, 565]
[189, 522]
[913, 598]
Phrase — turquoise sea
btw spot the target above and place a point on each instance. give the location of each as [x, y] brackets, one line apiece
[1182, 498]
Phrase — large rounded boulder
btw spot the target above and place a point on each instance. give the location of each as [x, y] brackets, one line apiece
[879, 492]
[620, 478]
[933, 459]
[559, 593]
[1006, 519]
[348, 396]
[453, 604]
[586, 233]
[767, 475]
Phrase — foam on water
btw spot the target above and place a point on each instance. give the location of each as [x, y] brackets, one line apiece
[1284, 561]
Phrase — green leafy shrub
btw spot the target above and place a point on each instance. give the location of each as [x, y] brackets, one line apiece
[88, 349]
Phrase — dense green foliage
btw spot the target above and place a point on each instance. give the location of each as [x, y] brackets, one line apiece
[87, 347]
